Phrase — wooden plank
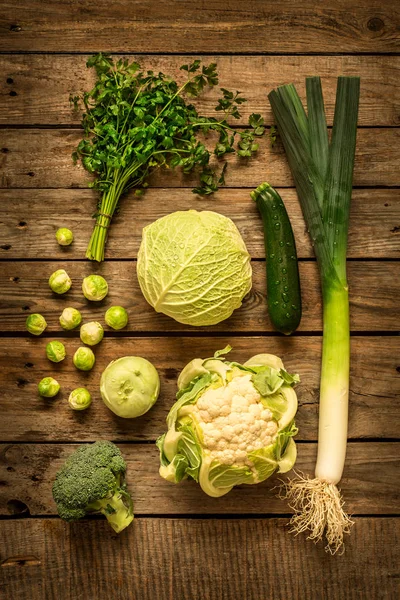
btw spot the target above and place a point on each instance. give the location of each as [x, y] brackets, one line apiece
[248, 546]
[36, 88]
[185, 26]
[42, 159]
[29, 560]
[374, 384]
[374, 294]
[176, 559]
[27, 227]
[27, 471]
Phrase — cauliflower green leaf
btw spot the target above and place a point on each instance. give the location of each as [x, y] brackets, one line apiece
[230, 425]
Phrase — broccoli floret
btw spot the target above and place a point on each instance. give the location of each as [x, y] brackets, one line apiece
[92, 481]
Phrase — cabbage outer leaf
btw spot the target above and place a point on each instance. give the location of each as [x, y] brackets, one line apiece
[194, 267]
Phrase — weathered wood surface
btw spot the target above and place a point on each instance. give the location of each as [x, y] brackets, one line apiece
[27, 472]
[191, 558]
[36, 88]
[374, 385]
[186, 26]
[30, 218]
[374, 298]
[42, 159]
[217, 559]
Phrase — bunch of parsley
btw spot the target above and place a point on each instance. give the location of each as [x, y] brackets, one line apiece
[137, 121]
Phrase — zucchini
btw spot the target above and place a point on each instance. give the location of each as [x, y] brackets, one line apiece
[283, 282]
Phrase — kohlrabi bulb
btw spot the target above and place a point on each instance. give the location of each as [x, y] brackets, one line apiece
[48, 387]
[130, 386]
[95, 287]
[80, 399]
[84, 359]
[91, 333]
[116, 317]
[64, 236]
[60, 282]
[70, 318]
[55, 351]
[36, 324]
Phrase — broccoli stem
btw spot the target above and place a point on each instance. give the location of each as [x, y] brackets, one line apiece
[118, 509]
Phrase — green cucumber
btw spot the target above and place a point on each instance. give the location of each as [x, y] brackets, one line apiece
[283, 282]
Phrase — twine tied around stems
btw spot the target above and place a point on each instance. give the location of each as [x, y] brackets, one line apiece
[102, 214]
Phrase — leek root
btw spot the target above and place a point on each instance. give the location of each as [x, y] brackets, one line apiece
[318, 508]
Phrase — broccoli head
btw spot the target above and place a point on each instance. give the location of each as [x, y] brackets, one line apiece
[92, 481]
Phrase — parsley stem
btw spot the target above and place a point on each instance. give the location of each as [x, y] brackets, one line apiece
[218, 123]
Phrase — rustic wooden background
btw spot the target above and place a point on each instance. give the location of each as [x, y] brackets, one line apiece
[184, 545]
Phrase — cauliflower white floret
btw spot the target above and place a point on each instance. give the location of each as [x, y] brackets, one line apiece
[234, 421]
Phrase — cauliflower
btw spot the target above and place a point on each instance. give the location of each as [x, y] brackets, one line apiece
[233, 420]
[231, 423]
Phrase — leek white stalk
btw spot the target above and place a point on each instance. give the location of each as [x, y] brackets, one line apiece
[323, 175]
[334, 389]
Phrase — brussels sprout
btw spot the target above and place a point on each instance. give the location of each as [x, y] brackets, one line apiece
[80, 399]
[55, 351]
[130, 386]
[116, 317]
[60, 282]
[95, 287]
[48, 387]
[64, 236]
[84, 359]
[91, 333]
[36, 324]
[70, 318]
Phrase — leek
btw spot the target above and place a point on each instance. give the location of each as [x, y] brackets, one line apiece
[323, 175]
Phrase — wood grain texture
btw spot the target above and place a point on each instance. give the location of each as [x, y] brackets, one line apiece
[374, 298]
[35, 89]
[177, 559]
[27, 226]
[191, 558]
[375, 383]
[42, 159]
[369, 482]
[171, 26]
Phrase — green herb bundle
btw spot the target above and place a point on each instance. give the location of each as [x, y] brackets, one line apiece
[137, 121]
